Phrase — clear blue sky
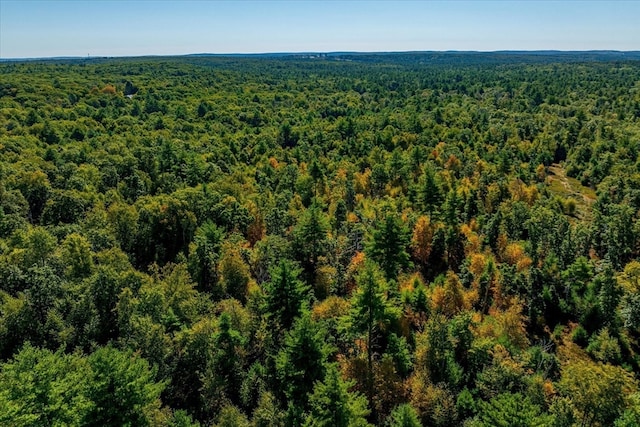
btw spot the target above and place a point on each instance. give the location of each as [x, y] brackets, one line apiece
[30, 28]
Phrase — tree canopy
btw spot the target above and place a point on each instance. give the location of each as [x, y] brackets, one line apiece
[434, 239]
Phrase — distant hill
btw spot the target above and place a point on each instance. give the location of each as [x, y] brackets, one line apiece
[404, 58]
[462, 57]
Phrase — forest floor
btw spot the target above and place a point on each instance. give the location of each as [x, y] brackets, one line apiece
[570, 188]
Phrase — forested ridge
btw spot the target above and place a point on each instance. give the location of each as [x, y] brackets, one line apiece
[354, 240]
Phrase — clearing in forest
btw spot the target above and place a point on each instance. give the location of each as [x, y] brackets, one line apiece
[572, 191]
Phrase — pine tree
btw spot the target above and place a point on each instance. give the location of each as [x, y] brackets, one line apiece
[224, 372]
[371, 313]
[388, 246]
[404, 416]
[301, 361]
[430, 194]
[204, 254]
[284, 295]
[310, 236]
[333, 405]
[512, 410]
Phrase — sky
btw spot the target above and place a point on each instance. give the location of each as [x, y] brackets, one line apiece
[33, 28]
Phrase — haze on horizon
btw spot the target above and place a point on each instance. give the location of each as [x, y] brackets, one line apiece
[33, 29]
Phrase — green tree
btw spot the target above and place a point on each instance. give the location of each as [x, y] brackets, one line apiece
[234, 274]
[41, 388]
[182, 419]
[104, 288]
[38, 246]
[77, 255]
[122, 388]
[310, 238]
[388, 246]
[609, 296]
[333, 405]
[400, 352]
[631, 416]
[230, 416]
[204, 253]
[267, 414]
[223, 375]
[301, 361]
[44, 291]
[36, 188]
[371, 314]
[339, 216]
[435, 352]
[379, 179]
[284, 295]
[597, 392]
[512, 410]
[165, 227]
[430, 193]
[618, 234]
[404, 416]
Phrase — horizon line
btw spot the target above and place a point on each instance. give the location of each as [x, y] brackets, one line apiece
[297, 53]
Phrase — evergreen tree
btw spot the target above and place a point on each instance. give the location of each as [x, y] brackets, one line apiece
[230, 416]
[223, 375]
[301, 361]
[388, 246]
[404, 416]
[430, 193]
[310, 237]
[284, 295]
[204, 254]
[371, 314]
[512, 410]
[609, 297]
[333, 405]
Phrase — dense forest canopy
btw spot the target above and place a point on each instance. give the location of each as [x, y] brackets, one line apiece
[342, 240]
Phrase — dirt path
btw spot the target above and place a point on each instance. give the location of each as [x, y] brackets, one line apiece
[571, 187]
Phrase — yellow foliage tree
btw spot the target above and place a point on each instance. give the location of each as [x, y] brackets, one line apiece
[597, 392]
[477, 265]
[331, 308]
[234, 273]
[630, 277]
[422, 239]
[449, 299]
[435, 404]
[511, 325]
[473, 243]
[514, 254]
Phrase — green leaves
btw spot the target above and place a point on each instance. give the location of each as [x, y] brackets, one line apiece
[42, 388]
[284, 295]
[109, 388]
[302, 360]
[204, 254]
[371, 311]
[404, 416]
[137, 195]
[388, 246]
[310, 238]
[512, 410]
[122, 388]
[597, 392]
[333, 405]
